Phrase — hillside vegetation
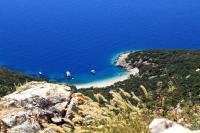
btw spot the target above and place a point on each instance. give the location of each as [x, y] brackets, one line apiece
[10, 79]
[171, 77]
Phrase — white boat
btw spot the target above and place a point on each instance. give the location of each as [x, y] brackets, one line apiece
[93, 71]
[40, 73]
[68, 74]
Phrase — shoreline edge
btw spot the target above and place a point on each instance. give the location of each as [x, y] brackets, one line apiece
[120, 61]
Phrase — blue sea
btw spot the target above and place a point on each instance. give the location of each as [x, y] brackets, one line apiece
[55, 36]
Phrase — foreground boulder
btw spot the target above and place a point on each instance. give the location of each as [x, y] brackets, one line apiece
[38, 95]
[39, 106]
[167, 126]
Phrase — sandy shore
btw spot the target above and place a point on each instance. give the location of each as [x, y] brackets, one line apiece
[103, 83]
[120, 61]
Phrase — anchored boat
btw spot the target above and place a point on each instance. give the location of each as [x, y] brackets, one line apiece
[93, 71]
[68, 75]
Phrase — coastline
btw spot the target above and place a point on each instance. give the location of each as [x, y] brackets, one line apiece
[120, 61]
[103, 83]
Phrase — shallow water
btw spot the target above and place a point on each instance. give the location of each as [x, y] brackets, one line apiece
[80, 35]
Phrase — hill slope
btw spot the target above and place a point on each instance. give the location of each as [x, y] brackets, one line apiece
[9, 78]
[170, 77]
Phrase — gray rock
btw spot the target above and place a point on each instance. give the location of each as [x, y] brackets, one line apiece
[15, 118]
[49, 130]
[40, 100]
[29, 126]
[57, 99]
[73, 105]
[59, 108]
[56, 119]
[167, 126]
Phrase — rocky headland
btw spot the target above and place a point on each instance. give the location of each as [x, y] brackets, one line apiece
[122, 62]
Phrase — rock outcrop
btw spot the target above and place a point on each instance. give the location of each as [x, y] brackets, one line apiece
[40, 106]
[121, 61]
[167, 126]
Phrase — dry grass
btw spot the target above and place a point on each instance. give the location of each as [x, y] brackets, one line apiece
[118, 115]
[20, 88]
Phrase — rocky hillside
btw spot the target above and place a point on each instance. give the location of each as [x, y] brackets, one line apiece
[51, 108]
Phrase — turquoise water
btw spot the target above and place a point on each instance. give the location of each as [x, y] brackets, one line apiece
[80, 35]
